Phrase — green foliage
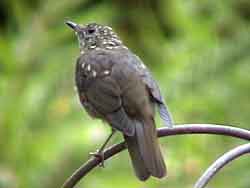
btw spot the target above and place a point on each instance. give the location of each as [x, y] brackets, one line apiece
[197, 50]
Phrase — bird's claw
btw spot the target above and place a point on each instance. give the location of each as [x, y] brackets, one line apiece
[100, 155]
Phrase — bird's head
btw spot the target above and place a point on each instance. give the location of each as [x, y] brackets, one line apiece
[93, 36]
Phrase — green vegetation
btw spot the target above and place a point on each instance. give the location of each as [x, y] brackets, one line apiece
[199, 51]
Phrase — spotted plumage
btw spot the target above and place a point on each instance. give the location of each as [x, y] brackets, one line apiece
[114, 85]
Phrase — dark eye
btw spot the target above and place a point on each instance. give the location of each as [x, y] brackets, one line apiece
[91, 30]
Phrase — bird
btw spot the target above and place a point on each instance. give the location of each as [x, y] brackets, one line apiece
[114, 85]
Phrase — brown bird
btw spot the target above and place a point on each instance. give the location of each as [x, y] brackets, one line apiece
[114, 85]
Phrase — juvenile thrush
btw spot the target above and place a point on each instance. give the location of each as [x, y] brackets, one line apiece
[114, 85]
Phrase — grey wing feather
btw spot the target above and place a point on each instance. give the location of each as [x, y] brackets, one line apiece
[103, 93]
[120, 121]
[165, 115]
[154, 90]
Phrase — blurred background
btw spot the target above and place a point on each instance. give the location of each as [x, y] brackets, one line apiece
[198, 51]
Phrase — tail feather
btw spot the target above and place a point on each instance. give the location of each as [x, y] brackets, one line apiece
[137, 161]
[149, 148]
[145, 151]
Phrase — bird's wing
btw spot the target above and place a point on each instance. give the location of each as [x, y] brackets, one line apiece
[136, 100]
[153, 88]
[103, 94]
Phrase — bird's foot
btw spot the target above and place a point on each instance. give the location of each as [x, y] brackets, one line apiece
[100, 155]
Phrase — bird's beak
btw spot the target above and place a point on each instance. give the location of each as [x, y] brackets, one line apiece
[73, 25]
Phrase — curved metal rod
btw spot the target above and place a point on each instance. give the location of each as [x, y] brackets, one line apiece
[176, 130]
[220, 163]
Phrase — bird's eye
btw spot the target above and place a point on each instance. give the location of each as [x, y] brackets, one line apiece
[91, 31]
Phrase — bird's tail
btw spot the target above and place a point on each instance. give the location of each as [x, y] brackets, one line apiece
[145, 152]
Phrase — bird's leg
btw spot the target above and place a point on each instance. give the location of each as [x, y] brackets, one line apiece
[99, 153]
